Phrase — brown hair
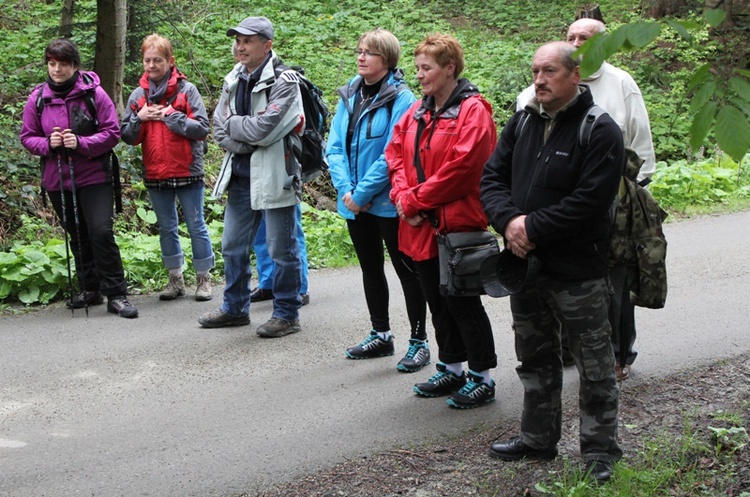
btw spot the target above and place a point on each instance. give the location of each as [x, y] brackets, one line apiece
[159, 43]
[445, 49]
[64, 51]
[383, 42]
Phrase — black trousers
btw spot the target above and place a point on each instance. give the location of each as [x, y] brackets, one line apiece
[462, 327]
[368, 233]
[97, 257]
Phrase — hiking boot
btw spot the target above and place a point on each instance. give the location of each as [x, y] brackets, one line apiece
[175, 288]
[203, 288]
[83, 299]
[417, 357]
[258, 294]
[277, 327]
[474, 394]
[304, 298]
[514, 450]
[119, 305]
[599, 471]
[371, 347]
[441, 383]
[219, 319]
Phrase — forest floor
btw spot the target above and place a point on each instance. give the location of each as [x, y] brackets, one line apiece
[690, 404]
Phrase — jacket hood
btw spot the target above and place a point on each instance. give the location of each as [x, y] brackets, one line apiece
[464, 89]
[389, 88]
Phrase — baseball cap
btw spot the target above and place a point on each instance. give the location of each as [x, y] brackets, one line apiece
[253, 26]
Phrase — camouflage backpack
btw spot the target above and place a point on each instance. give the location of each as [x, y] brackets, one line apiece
[637, 240]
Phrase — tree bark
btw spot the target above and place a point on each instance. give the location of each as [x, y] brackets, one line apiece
[109, 64]
[66, 19]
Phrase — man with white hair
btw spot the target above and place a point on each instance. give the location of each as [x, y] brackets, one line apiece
[617, 93]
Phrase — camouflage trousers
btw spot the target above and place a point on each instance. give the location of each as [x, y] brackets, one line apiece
[538, 315]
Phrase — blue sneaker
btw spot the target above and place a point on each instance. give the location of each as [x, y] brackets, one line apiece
[441, 383]
[417, 357]
[370, 347]
[474, 394]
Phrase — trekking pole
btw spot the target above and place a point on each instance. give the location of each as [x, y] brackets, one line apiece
[77, 222]
[65, 225]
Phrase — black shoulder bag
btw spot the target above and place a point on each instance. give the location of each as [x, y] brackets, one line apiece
[460, 255]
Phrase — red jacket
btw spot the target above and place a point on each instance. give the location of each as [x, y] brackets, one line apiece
[172, 148]
[452, 155]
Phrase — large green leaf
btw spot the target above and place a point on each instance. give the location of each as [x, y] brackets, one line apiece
[682, 28]
[733, 132]
[699, 76]
[702, 96]
[701, 125]
[743, 105]
[715, 17]
[29, 295]
[741, 86]
[643, 33]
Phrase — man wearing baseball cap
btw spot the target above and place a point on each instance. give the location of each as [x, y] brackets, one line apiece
[257, 120]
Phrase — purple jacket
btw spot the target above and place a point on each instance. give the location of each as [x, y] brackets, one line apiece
[91, 165]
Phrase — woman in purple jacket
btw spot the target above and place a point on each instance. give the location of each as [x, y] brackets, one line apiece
[75, 139]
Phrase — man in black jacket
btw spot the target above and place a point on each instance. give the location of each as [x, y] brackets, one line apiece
[548, 193]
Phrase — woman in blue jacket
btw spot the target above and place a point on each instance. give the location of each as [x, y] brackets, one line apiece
[370, 105]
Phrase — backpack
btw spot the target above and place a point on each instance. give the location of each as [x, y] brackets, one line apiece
[637, 240]
[311, 154]
[90, 102]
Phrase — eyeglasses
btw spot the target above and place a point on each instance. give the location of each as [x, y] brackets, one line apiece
[367, 53]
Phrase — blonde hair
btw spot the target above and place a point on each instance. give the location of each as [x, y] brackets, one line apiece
[383, 42]
[159, 43]
[445, 49]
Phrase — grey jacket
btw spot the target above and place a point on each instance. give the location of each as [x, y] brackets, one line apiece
[276, 118]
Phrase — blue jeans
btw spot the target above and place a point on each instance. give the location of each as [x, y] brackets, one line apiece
[164, 203]
[264, 264]
[241, 225]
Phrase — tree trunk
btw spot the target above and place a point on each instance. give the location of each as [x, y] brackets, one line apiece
[66, 19]
[109, 64]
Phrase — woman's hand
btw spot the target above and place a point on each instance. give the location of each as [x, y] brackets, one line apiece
[70, 140]
[350, 204]
[56, 139]
[151, 113]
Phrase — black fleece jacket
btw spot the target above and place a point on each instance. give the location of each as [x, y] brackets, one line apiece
[565, 190]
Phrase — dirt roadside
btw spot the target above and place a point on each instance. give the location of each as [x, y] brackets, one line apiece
[649, 409]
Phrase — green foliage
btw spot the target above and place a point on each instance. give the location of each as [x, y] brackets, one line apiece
[327, 238]
[720, 95]
[696, 462]
[499, 39]
[685, 184]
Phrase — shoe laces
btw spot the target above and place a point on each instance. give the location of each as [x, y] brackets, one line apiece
[437, 377]
[414, 348]
[370, 338]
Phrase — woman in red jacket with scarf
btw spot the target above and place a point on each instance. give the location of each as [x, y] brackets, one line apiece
[458, 136]
[166, 115]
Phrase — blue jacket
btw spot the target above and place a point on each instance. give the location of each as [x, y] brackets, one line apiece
[362, 169]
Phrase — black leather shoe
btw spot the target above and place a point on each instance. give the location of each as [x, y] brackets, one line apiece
[599, 471]
[515, 450]
[259, 294]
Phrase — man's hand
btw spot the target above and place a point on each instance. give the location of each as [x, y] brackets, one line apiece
[518, 240]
